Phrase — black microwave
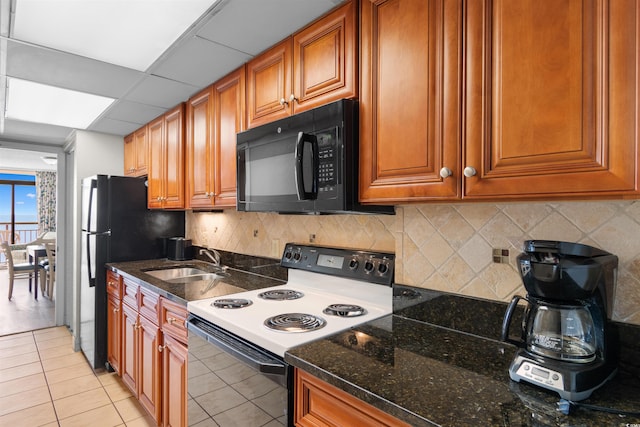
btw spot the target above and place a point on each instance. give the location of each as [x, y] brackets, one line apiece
[305, 163]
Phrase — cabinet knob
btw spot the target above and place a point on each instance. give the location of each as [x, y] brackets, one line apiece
[116, 309]
[170, 320]
[445, 172]
[283, 101]
[160, 348]
[469, 171]
[292, 98]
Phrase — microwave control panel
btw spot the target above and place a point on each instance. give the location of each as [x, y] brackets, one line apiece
[327, 161]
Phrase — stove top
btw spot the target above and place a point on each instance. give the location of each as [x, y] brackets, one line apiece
[312, 304]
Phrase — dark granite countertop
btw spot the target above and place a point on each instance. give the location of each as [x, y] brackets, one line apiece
[439, 362]
[244, 273]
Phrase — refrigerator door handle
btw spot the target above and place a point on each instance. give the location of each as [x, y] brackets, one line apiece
[99, 233]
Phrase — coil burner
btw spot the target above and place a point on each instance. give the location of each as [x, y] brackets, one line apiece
[231, 303]
[344, 310]
[295, 322]
[280, 294]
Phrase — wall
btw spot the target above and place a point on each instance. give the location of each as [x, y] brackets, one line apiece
[447, 246]
[89, 153]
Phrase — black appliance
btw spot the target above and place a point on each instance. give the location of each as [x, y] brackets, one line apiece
[116, 226]
[306, 163]
[567, 344]
[179, 249]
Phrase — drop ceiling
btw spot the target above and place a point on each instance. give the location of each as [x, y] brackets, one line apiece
[215, 40]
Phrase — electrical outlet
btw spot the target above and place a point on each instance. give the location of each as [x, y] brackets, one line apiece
[312, 238]
[501, 256]
[255, 233]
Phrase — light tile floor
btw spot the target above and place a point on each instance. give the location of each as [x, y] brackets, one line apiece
[43, 382]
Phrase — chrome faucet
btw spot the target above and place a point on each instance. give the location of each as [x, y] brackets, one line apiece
[213, 255]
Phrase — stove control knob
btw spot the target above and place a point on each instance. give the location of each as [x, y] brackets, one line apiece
[353, 264]
[383, 268]
[368, 266]
[296, 256]
[288, 255]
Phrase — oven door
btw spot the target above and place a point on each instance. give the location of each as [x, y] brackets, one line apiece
[232, 381]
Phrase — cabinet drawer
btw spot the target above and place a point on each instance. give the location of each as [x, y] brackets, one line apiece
[173, 317]
[149, 304]
[130, 292]
[114, 284]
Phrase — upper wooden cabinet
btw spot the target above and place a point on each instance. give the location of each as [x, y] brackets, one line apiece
[166, 160]
[409, 99]
[545, 105]
[314, 67]
[136, 151]
[214, 117]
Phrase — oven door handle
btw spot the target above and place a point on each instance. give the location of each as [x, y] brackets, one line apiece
[243, 351]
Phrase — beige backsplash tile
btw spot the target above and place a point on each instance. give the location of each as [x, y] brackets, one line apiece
[447, 246]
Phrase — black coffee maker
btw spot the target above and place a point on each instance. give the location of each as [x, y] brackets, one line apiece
[567, 342]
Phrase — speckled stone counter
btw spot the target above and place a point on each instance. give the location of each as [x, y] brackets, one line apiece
[438, 361]
[244, 273]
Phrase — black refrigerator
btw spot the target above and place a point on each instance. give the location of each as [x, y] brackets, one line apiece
[116, 226]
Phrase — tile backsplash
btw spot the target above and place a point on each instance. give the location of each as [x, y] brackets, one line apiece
[447, 247]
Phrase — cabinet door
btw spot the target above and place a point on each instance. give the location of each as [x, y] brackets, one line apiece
[114, 334]
[155, 191]
[551, 98]
[129, 155]
[229, 101]
[149, 381]
[318, 404]
[142, 151]
[199, 150]
[174, 383]
[325, 60]
[174, 158]
[269, 85]
[129, 362]
[409, 100]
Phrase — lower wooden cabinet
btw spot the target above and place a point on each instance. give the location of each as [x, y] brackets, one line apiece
[174, 383]
[148, 349]
[318, 404]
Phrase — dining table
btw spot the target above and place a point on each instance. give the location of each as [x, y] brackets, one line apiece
[35, 253]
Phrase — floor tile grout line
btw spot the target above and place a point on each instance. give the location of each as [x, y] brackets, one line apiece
[46, 380]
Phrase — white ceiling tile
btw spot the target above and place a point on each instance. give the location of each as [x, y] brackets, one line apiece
[133, 112]
[251, 26]
[199, 62]
[114, 127]
[161, 92]
[46, 134]
[68, 71]
[131, 33]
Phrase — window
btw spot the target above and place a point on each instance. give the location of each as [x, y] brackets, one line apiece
[18, 208]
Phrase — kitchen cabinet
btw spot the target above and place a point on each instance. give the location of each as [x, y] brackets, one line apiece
[519, 99]
[315, 66]
[318, 404]
[114, 320]
[136, 151]
[174, 363]
[166, 160]
[214, 117]
[141, 360]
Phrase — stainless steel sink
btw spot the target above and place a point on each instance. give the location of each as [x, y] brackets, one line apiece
[169, 274]
[198, 277]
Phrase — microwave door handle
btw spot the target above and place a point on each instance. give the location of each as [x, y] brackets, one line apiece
[302, 193]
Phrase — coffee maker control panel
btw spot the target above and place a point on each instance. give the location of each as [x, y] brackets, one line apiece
[545, 377]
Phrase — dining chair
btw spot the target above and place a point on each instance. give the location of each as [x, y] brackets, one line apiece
[49, 270]
[16, 271]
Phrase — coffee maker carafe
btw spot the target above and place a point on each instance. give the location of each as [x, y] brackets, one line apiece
[567, 342]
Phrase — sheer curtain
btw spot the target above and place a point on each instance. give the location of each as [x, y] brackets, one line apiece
[46, 200]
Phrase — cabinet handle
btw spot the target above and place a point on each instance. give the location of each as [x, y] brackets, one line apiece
[161, 347]
[469, 171]
[292, 98]
[283, 101]
[445, 172]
